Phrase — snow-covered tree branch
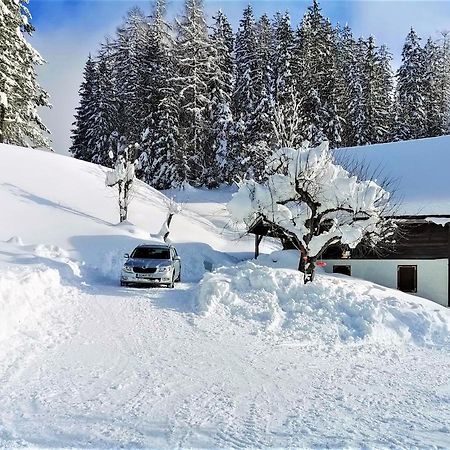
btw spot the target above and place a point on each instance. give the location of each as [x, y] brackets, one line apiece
[315, 202]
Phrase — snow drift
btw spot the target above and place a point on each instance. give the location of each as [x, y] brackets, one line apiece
[332, 310]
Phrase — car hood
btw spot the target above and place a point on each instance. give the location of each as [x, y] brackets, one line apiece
[148, 263]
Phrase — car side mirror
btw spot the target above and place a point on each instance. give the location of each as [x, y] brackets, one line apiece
[176, 258]
[126, 255]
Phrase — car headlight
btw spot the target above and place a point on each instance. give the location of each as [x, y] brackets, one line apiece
[164, 269]
[127, 269]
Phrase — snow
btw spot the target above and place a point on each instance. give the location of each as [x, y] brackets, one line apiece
[244, 356]
[419, 168]
[438, 220]
[276, 301]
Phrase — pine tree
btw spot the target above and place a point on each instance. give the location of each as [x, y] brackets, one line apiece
[376, 94]
[385, 95]
[282, 60]
[193, 56]
[220, 88]
[103, 135]
[84, 113]
[411, 113]
[246, 94]
[20, 94]
[434, 91]
[128, 63]
[316, 54]
[351, 107]
[158, 162]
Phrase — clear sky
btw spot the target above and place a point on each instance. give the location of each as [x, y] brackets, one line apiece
[67, 30]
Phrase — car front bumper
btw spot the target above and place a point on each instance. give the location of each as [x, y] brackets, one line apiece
[149, 278]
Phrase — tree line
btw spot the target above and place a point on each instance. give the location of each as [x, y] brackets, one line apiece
[207, 105]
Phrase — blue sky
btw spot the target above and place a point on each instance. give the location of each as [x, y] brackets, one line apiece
[67, 30]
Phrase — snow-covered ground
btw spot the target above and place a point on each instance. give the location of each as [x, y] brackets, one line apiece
[245, 356]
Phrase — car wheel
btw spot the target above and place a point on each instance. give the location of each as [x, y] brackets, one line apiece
[172, 284]
[178, 280]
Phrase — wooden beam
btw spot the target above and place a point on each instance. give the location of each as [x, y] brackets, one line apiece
[258, 239]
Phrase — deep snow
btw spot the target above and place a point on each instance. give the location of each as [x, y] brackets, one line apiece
[243, 357]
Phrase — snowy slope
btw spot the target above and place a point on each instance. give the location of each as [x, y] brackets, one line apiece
[419, 167]
[243, 357]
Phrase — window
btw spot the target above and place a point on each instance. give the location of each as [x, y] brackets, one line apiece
[344, 270]
[151, 253]
[407, 278]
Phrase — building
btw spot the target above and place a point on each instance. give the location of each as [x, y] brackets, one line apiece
[420, 262]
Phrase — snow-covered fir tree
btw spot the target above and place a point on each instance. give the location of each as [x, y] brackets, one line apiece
[350, 81]
[20, 93]
[220, 87]
[282, 59]
[435, 95]
[316, 53]
[85, 113]
[159, 161]
[245, 96]
[410, 97]
[376, 94]
[128, 60]
[193, 55]
[103, 134]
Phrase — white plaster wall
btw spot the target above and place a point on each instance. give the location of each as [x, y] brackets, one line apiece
[432, 275]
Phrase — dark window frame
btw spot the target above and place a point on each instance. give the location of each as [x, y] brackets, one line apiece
[409, 266]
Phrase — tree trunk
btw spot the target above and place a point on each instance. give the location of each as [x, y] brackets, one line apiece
[2, 124]
[123, 209]
[310, 269]
[301, 262]
[168, 221]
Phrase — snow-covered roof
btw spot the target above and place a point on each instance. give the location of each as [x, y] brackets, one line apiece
[421, 168]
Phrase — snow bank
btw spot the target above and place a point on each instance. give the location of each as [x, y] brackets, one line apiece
[332, 310]
[29, 300]
[34, 285]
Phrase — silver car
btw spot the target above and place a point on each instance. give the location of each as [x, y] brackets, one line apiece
[151, 264]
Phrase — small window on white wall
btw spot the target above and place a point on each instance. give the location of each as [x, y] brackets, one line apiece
[343, 269]
[407, 278]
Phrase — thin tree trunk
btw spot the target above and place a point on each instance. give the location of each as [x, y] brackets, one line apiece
[168, 221]
[123, 209]
[2, 124]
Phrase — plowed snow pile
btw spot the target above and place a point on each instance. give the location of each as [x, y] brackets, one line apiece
[332, 310]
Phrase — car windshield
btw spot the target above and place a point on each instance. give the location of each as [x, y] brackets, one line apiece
[151, 253]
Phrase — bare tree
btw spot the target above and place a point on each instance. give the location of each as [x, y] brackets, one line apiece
[123, 176]
[173, 208]
[316, 203]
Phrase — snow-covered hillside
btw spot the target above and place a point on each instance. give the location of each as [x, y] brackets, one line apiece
[246, 356]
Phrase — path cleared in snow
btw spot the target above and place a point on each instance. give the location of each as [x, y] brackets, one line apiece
[86, 363]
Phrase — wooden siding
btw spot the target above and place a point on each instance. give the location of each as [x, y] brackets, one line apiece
[415, 241]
